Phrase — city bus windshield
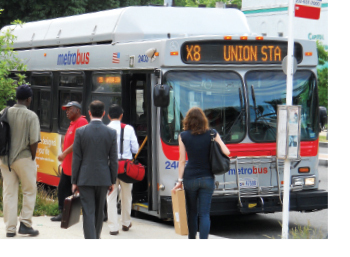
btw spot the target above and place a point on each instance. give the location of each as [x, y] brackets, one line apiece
[218, 94]
[267, 89]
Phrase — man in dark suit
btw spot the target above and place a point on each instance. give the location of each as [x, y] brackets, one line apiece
[94, 168]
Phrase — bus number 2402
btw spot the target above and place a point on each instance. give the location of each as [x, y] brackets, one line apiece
[171, 165]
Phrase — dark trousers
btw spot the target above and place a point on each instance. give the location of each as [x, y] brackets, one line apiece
[64, 189]
[93, 200]
[198, 193]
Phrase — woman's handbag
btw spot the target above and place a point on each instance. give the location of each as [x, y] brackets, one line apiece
[220, 163]
[130, 171]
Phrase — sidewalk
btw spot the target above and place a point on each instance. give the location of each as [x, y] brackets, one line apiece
[141, 229]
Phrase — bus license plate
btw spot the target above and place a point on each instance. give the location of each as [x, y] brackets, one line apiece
[248, 182]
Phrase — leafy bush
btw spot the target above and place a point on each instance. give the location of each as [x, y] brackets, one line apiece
[9, 62]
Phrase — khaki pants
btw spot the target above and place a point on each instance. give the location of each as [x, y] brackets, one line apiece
[126, 201]
[23, 170]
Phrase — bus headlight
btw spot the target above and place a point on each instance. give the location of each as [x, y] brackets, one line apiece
[299, 182]
[310, 181]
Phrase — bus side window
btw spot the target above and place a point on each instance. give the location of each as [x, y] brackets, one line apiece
[137, 113]
[141, 113]
[41, 102]
[70, 88]
[107, 88]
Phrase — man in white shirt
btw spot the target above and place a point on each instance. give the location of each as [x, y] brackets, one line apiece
[130, 146]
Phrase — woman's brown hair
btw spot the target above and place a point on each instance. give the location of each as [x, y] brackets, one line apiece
[196, 121]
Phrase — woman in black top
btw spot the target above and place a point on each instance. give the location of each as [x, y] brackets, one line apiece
[197, 177]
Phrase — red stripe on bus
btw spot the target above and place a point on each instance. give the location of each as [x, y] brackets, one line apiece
[48, 179]
[307, 149]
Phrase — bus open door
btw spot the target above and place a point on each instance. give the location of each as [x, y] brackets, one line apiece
[137, 109]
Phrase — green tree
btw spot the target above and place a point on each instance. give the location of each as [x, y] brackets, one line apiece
[8, 62]
[34, 10]
[322, 74]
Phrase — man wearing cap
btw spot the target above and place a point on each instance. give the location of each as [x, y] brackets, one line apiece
[73, 111]
[25, 136]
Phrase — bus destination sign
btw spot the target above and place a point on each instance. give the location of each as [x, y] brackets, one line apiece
[235, 52]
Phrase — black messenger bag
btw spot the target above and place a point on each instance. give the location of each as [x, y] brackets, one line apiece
[220, 163]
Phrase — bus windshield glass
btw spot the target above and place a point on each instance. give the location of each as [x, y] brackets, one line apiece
[218, 94]
[267, 89]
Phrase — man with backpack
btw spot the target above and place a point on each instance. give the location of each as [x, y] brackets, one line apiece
[127, 145]
[19, 163]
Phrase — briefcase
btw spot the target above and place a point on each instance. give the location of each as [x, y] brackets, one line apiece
[71, 211]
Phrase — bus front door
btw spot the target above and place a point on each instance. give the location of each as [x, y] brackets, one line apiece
[137, 107]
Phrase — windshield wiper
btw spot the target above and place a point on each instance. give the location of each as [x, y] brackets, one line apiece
[239, 115]
[256, 114]
[259, 112]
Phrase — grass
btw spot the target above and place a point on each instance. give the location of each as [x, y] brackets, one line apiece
[303, 232]
[46, 202]
[323, 138]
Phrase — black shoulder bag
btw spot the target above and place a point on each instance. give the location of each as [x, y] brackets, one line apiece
[220, 163]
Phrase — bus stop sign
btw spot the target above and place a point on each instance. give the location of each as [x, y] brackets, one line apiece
[309, 9]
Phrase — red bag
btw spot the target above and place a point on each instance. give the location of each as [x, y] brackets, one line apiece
[130, 171]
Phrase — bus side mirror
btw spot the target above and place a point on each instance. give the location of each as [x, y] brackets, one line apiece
[323, 116]
[161, 96]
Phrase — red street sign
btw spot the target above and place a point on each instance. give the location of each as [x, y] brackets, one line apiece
[309, 9]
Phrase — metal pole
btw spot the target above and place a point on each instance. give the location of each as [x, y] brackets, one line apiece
[289, 94]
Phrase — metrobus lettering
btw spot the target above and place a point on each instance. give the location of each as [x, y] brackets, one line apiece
[73, 58]
[253, 170]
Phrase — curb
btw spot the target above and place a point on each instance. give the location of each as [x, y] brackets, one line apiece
[323, 144]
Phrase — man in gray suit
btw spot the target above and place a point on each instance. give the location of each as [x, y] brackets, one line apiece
[94, 168]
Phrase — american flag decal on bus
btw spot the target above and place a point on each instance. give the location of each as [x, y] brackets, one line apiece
[116, 58]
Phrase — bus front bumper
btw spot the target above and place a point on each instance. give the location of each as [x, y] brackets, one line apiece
[307, 201]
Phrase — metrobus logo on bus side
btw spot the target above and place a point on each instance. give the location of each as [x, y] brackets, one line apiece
[73, 58]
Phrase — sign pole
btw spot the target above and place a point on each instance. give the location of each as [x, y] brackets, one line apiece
[289, 101]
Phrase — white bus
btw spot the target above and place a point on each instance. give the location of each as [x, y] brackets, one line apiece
[205, 57]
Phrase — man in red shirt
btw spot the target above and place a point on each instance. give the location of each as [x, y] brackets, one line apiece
[73, 111]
